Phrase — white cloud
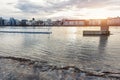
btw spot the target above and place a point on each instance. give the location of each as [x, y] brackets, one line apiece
[58, 8]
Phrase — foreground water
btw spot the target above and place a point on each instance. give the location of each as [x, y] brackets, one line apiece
[64, 46]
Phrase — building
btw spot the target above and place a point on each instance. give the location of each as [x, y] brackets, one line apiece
[39, 23]
[18, 22]
[48, 22]
[57, 23]
[73, 22]
[94, 22]
[29, 22]
[6, 22]
[113, 21]
[24, 22]
[12, 22]
[1, 21]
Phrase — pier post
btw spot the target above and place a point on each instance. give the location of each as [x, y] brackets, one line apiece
[104, 27]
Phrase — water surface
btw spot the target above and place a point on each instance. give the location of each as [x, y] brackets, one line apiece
[65, 46]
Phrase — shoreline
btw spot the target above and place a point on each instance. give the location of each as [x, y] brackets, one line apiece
[60, 26]
[33, 69]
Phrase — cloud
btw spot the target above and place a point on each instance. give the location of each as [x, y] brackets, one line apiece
[28, 6]
[49, 6]
[113, 8]
[53, 7]
[10, 3]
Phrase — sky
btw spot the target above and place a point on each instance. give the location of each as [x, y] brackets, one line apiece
[59, 9]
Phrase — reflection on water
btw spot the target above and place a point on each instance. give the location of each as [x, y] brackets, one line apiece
[103, 44]
[65, 46]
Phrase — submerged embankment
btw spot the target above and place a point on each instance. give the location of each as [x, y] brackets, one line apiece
[13, 68]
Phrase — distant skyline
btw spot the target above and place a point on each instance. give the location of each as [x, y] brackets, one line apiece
[58, 9]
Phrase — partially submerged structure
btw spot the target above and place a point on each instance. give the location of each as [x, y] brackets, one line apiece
[104, 30]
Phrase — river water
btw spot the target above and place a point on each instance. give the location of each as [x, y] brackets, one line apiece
[63, 46]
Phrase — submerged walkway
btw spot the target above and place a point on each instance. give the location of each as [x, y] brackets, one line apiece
[28, 32]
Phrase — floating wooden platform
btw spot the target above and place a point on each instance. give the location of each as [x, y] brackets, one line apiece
[92, 33]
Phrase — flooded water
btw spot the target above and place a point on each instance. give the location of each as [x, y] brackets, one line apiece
[64, 46]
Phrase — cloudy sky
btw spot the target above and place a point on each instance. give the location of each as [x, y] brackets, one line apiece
[55, 9]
